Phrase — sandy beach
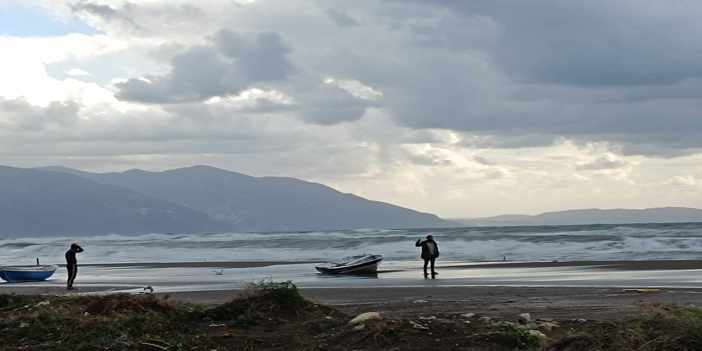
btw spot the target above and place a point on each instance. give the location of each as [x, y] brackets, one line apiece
[575, 289]
[499, 302]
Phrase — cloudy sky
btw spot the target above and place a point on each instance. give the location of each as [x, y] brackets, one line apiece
[461, 108]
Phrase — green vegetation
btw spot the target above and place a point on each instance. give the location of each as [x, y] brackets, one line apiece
[274, 316]
[660, 328]
[267, 302]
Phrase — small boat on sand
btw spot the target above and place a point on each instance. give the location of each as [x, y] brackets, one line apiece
[16, 274]
[361, 264]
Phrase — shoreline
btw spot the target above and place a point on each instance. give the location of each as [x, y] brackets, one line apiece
[483, 286]
[602, 264]
[615, 265]
[191, 264]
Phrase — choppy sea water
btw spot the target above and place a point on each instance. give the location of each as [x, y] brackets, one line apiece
[535, 243]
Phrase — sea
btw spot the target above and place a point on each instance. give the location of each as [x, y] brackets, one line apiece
[476, 244]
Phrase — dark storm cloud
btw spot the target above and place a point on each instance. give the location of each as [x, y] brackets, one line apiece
[230, 64]
[325, 103]
[526, 73]
[342, 18]
[593, 43]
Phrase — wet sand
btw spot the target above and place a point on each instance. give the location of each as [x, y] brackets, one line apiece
[619, 265]
[205, 264]
[440, 296]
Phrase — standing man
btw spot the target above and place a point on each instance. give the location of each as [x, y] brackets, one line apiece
[72, 264]
[430, 252]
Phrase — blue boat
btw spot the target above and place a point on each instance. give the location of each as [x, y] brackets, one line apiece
[19, 274]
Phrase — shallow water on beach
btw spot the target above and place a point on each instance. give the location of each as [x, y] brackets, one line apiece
[392, 274]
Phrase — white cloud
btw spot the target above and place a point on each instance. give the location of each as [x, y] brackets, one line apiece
[77, 72]
[683, 181]
[606, 162]
[355, 88]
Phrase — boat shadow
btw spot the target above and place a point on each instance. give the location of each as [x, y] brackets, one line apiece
[367, 275]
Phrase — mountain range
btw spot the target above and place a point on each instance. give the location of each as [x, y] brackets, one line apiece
[59, 200]
[199, 199]
[592, 216]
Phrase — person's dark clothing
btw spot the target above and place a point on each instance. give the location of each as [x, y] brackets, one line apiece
[72, 264]
[72, 273]
[426, 263]
[427, 250]
[430, 252]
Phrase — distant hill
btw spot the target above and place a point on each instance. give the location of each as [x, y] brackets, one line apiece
[593, 216]
[34, 202]
[246, 203]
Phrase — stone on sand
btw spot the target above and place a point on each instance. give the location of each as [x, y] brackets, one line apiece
[364, 317]
[524, 318]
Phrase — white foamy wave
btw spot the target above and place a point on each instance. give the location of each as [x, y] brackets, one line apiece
[600, 242]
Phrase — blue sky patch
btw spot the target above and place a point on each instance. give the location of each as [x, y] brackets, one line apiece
[29, 19]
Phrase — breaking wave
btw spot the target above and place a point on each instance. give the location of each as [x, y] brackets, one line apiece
[594, 242]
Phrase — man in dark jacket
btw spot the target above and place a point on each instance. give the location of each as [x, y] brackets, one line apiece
[72, 264]
[430, 252]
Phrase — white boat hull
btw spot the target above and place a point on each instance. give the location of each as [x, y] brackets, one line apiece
[366, 264]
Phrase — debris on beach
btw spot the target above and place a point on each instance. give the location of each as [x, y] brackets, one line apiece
[643, 290]
[417, 325]
[507, 324]
[547, 326]
[364, 317]
[485, 319]
[43, 303]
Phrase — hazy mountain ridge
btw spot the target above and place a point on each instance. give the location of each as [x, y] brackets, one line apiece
[35, 202]
[192, 199]
[267, 203]
[593, 216]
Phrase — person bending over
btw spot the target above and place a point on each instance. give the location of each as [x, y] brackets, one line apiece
[72, 264]
[430, 252]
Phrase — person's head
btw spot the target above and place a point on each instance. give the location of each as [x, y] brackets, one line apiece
[74, 247]
[430, 237]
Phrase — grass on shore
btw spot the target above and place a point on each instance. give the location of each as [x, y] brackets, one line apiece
[659, 328]
[274, 316]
